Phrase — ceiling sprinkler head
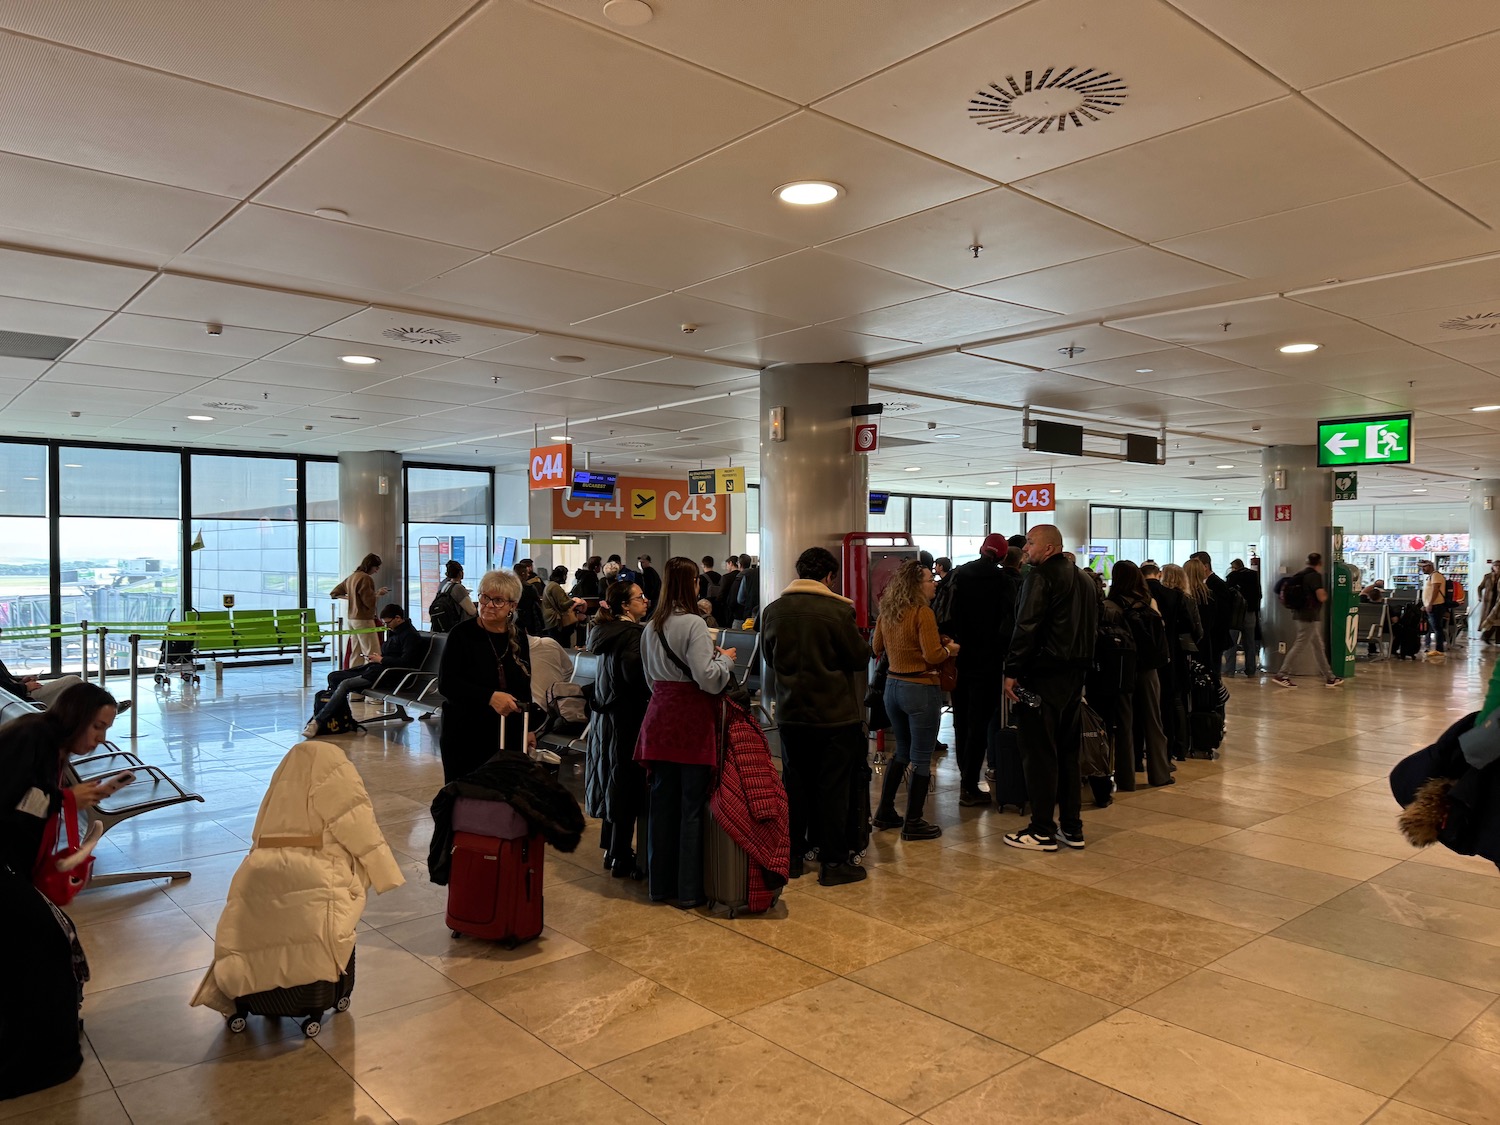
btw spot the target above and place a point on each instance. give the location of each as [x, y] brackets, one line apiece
[1071, 350]
[689, 329]
[214, 329]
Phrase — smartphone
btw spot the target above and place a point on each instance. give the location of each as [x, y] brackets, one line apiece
[119, 781]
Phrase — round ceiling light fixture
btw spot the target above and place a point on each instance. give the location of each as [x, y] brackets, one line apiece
[1483, 409]
[1218, 498]
[809, 193]
[567, 359]
[1419, 490]
[1116, 491]
[359, 360]
[1298, 349]
[1223, 466]
[913, 469]
[1144, 370]
[628, 13]
[947, 437]
[200, 418]
[331, 213]
[991, 484]
[558, 437]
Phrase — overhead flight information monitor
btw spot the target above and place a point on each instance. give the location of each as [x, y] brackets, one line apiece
[593, 486]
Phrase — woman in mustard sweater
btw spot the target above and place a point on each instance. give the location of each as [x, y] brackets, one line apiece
[906, 632]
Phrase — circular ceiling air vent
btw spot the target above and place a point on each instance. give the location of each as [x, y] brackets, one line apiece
[422, 335]
[228, 407]
[898, 407]
[1477, 321]
[1037, 104]
[635, 445]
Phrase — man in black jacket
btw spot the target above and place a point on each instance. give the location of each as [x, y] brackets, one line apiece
[1247, 582]
[1050, 653]
[981, 617]
[1222, 620]
[748, 595]
[809, 639]
[1175, 681]
[403, 647]
[709, 580]
[650, 580]
[729, 591]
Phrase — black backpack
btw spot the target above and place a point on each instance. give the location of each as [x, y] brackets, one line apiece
[1114, 655]
[567, 709]
[1292, 591]
[942, 601]
[1150, 633]
[444, 612]
[342, 719]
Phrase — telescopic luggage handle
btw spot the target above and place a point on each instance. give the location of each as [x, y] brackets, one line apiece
[525, 729]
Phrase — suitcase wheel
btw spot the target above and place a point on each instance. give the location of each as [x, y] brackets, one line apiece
[342, 1005]
[510, 942]
[456, 934]
[237, 1023]
[311, 1026]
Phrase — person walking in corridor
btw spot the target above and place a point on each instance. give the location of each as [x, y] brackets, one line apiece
[1304, 594]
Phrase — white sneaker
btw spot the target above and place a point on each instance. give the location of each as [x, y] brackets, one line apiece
[311, 730]
[1333, 681]
[1031, 842]
[1283, 681]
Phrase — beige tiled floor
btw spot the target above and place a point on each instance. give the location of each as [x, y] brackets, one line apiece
[1256, 944]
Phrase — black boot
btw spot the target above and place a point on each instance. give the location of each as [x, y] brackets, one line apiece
[886, 815]
[915, 827]
[837, 874]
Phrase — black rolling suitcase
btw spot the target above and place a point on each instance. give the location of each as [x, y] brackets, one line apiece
[1006, 769]
[1096, 756]
[308, 1002]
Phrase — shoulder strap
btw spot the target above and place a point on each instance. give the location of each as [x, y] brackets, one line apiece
[661, 635]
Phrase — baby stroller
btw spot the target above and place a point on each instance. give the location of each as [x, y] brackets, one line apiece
[1406, 633]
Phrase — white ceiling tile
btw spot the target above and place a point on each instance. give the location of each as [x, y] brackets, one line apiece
[596, 359]
[812, 287]
[944, 316]
[818, 344]
[304, 246]
[435, 393]
[1311, 43]
[1016, 234]
[498, 378]
[736, 184]
[636, 242]
[1395, 107]
[402, 185]
[685, 373]
[597, 89]
[1476, 190]
[249, 306]
[1107, 281]
[23, 370]
[1174, 74]
[1430, 288]
[62, 397]
[47, 319]
[1214, 174]
[531, 294]
[431, 335]
[1334, 238]
[1336, 340]
[660, 321]
[794, 49]
[316, 351]
[118, 118]
[1174, 362]
[1478, 347]
[190, 336]
[311, 55]
[1047, 351]
[84, 375]
[1454, 324]
[1234, 320]
[67, 281]
[317, 380]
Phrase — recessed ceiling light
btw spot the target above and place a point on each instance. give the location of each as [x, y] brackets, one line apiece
[567, 359]
[913, 469]
[1116, 490]
[359, 360]
[31, 478]
[69, 465]
[1419, 490]
[808, 193]
[947, 437]
[991, 484]
[1223, 466]
[628, 13]
[1484, 409]
[331, 213]
[558, 437]
[200, 418]
[1298, 349]
[1144, 370]
[1218, 498]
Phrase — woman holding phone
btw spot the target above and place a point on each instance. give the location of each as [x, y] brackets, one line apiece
[39, 1034]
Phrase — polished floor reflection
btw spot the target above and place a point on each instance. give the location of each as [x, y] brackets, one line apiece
[1253, 944]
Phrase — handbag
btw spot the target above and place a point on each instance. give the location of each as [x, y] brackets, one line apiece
[948, 674]
[60, 875]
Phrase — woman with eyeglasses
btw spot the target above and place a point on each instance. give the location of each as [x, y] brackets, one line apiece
[614, 785]
[679, 735]
[485, 679]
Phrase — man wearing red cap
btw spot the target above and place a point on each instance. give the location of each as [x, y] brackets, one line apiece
[981, 618]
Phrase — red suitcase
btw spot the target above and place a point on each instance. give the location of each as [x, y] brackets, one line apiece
[495, 886]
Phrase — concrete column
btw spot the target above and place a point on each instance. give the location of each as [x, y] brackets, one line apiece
[1072, 519]
[1484, 539]
[1284, 547]
[372, 516]
[813, 489]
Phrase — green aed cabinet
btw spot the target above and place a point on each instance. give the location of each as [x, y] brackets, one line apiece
[1343, 621]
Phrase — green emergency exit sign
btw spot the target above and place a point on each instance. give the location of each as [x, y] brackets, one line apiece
[1365, 441]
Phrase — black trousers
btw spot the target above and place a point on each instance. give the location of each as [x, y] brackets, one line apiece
[976, 698]
[1049, 747]
[629, 798]
[818, 770]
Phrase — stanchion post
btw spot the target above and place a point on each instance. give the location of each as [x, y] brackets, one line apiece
[135, 668]
[306, 657]
[103, 632]
[339, 640]
[83, 630]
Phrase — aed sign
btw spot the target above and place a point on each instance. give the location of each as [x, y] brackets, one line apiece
[1283, 513]
[1365, 441]
[551, 467]
[1033, 498]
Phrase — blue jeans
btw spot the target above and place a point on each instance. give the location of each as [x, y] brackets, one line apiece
[915, 711]
[344, 683]
[674, 860]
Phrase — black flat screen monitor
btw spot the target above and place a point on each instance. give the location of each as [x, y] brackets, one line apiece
[878, 502]
[1059, 437]
[592, 486]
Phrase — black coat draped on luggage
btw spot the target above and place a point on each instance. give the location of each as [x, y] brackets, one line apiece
[514, 778]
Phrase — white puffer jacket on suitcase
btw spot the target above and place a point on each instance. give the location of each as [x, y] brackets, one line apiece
[295, 900]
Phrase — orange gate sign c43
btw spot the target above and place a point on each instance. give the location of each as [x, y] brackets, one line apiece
[643, 504]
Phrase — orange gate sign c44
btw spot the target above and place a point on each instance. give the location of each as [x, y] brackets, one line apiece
[639, 505]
